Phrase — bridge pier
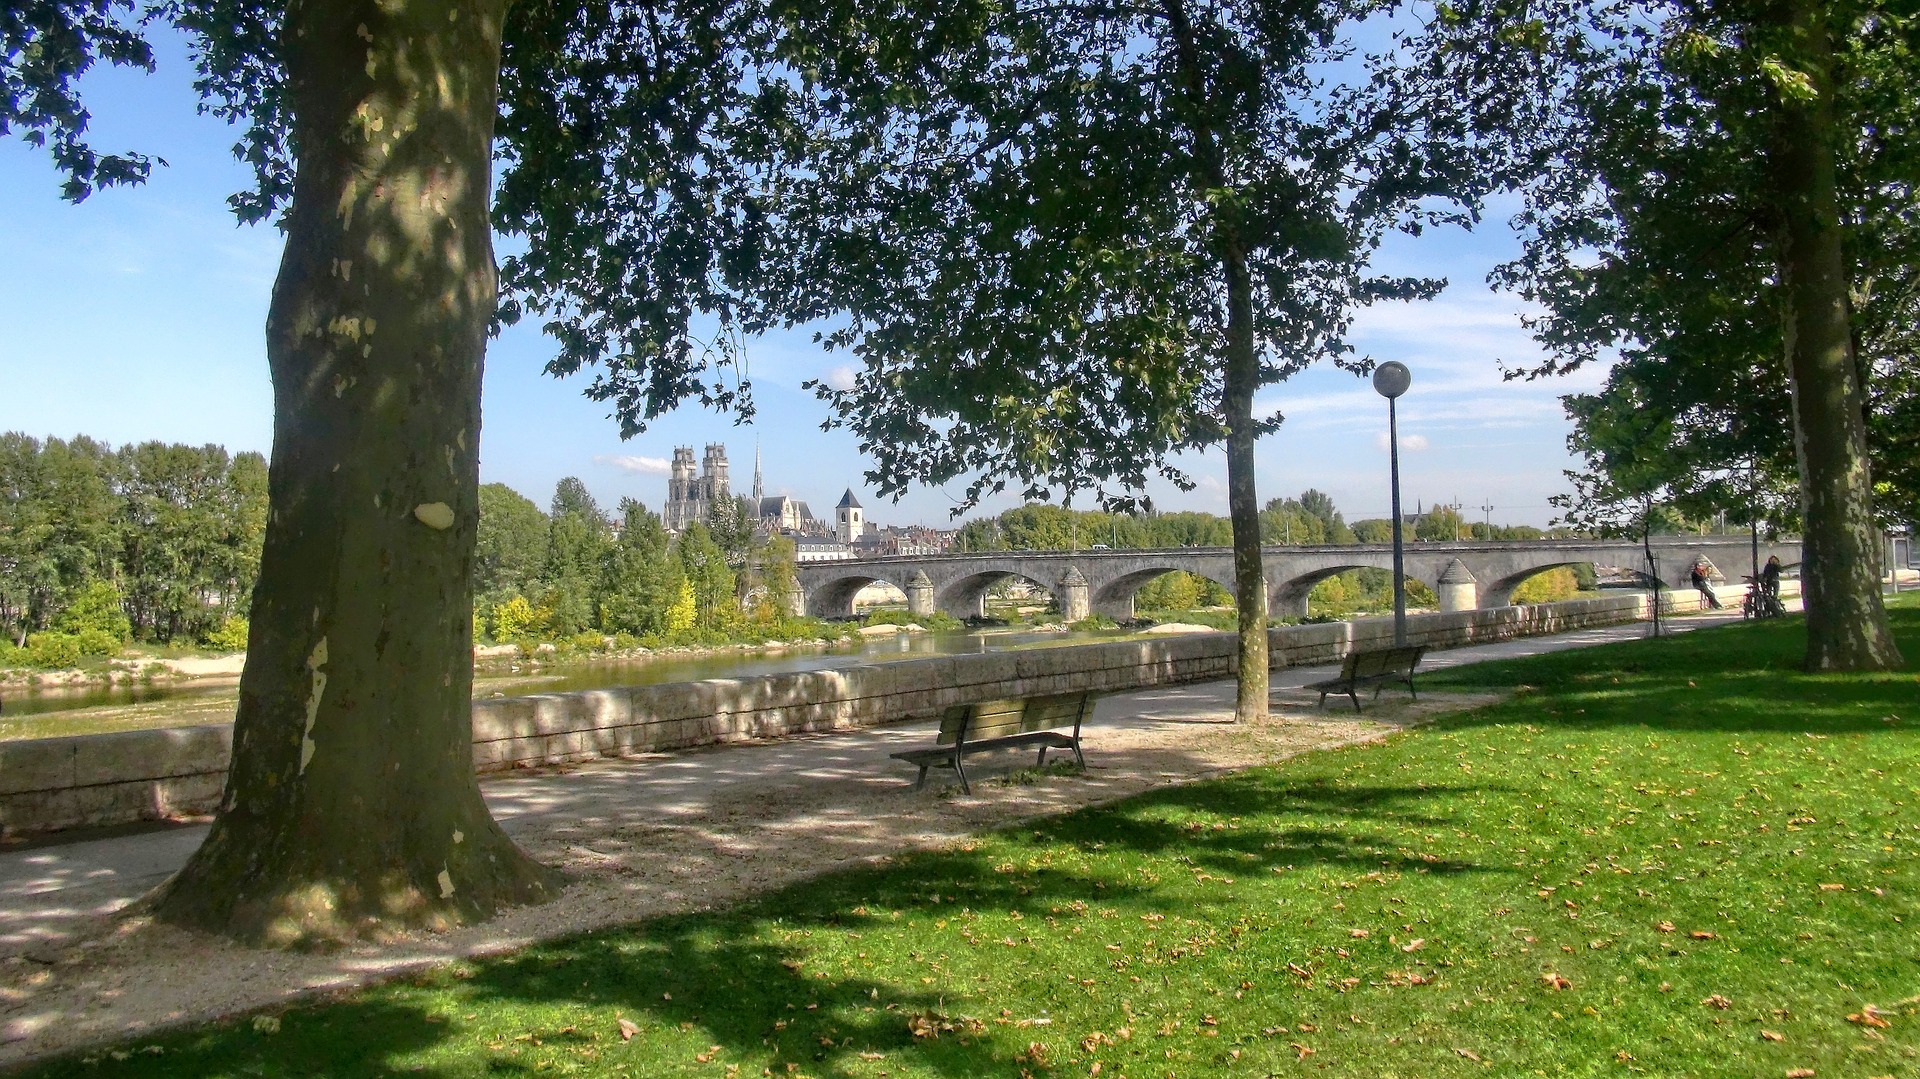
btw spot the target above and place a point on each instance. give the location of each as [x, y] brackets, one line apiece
[794, 601]
[1071, 593]
[920, 595]
[1458, 591]
[1288, 606]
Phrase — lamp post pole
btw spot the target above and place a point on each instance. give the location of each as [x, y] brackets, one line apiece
[1391, 379]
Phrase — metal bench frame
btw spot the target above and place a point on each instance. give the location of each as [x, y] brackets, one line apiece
[1376, 669]
[1003, 724]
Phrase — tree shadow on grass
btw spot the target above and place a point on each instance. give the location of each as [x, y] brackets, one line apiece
[1730, 679]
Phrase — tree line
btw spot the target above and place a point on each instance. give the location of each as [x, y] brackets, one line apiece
[154, 541]
[572, 572]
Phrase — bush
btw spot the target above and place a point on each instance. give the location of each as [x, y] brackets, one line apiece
[230, 637]
[516, 618]
[52, 649]
[588, 641]
[11, 654]
[96, 642]
[96, 607]
[626, 642]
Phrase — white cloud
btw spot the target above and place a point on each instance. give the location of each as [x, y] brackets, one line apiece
[1413, 443]
[841, 378]
[646, 466]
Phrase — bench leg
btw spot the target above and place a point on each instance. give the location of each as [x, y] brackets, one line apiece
[961, 771]
[1041, 762]
[1354, 696]
[1410, 689]
[922, 781]
[1077, 758]
[1323, 699]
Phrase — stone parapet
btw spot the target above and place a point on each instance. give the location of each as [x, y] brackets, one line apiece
[48, 784]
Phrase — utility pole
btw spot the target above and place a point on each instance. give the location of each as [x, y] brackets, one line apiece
[1488, 510]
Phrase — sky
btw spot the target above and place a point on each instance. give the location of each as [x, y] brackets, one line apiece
[138, 314]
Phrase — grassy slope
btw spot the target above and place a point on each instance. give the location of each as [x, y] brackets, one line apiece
[1404, 909]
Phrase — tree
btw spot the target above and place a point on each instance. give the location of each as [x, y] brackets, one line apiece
[578, 542]
[1441, 523]
[510, 545]
[1077, 239]
[372, 132]
[1730, 168]
[703, 565]
[642, 578]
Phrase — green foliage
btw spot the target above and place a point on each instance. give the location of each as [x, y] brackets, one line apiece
[704, 566]
[1550, 586]
[510, 546]
[230, 637]
[1442, 523]
[587, 641]
[96, 609]
[97, 642]
[516, 618]
[53, 650]
[684, 612]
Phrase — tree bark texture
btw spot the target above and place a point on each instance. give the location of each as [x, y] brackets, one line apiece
[351, 809]
[1847, 626]
[1243, 504]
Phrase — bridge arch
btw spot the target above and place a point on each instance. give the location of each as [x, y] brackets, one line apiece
[1115, 597]
[1499, 592]
[1288, 598]
[966, 597]
[834, 598]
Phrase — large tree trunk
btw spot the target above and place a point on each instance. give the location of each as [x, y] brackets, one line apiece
[1243, 505]
[351, 808]
[1840, 570]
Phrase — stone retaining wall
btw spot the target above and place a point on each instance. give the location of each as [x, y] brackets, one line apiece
[105, 779]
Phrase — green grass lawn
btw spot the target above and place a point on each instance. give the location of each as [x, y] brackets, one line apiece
[1672, 858]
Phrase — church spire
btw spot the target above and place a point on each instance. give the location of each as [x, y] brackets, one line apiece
[758, 492]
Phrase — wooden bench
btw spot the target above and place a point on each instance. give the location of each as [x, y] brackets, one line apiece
[1003, 724]
[1376, 669]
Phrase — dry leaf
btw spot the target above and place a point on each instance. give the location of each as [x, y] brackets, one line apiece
[1555, 980]
[628, 1028]
[1833, 887]
[1704, 934]
[1469, 1054]
[1869, 1016]
[1358, 934]
[1413, 945]
[1773, 1036]
[1799, 1073]
[1718, 1001]
[1303, 1050]
[1665, 927]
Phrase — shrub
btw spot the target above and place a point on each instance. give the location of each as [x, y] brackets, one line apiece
[230, 637]
[96, 607]
[625, 642]
[1547, 586]
[96, 642]
[1093, 623]
[10, 653]
[516, 618]
[588, 641]
[52, 649]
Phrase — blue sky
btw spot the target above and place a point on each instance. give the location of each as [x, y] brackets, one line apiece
[138, 315]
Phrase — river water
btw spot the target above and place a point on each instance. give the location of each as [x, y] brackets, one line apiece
[568, 677]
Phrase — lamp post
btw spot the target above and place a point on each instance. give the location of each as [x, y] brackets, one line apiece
[1390, 380]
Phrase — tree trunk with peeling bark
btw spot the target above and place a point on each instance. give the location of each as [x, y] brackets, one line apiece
[1847, 626]
[351, 807]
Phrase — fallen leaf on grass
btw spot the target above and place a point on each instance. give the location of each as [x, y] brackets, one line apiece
[1833, 887]
[1704, 934]
[1799, 1073]
[1469, 1054]
[1304, 1051]
[1413, 945]
[1718, 1001]
[1358, 934]
[1773, 1036]
[1869, 1016]
[1555, 980]
[1665, 927]
[628, 1028]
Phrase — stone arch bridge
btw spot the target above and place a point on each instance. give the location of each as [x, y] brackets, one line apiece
[1464, 574]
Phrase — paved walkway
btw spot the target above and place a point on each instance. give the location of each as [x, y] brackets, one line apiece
[46, 891]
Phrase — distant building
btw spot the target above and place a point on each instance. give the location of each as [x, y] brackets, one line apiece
[689, 497]
[902, 540]
[849, 519]
[819, 549]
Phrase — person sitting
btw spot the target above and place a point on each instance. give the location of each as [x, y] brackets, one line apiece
[1770, 578]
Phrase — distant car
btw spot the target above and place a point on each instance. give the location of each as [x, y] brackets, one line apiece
[1100, 547]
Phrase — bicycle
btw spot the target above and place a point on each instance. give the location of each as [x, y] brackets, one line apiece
[1758, 602]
